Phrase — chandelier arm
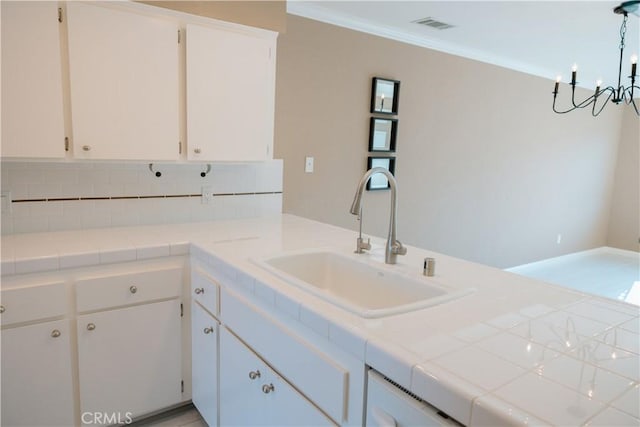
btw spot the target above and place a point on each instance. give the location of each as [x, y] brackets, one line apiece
[635, 107]
[604, 104]
[628, 93]
[582, 104]
[573, 96]
[558, 111]
[585, 102]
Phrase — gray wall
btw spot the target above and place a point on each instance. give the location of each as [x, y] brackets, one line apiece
[485, 170]
[624, 225]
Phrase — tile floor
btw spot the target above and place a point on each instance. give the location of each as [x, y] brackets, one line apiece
[608, 272]
[184, 416]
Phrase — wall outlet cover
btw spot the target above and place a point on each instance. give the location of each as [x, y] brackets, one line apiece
[6, 201]
[207, 194]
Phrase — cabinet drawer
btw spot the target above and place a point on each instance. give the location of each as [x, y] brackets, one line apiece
[33, 303]
[321, 379]
[103, 292]
[246, 381]
[205, 290]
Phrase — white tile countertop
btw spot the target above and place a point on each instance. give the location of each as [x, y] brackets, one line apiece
[516, 351]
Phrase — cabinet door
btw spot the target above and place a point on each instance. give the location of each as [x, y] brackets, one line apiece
[124, 84]
[36, 375]
[32, 117]
[230, 94]
[204, 363]
[129, 359]
[251, 393]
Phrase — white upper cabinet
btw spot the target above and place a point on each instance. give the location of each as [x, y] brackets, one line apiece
[32, 107]
[230, 80]
[124, 84]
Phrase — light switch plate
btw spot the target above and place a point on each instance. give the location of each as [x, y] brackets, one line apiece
[308, 164]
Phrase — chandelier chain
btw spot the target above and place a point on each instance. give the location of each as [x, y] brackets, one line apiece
[623, 30]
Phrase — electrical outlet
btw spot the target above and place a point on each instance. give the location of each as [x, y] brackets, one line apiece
[6, 201]
[559, 239]
[207, 194]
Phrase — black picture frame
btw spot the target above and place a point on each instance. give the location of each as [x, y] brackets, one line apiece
[382, 134]
[381, 90]
[378, 181]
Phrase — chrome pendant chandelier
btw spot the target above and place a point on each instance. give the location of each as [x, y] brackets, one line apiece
[620, 93]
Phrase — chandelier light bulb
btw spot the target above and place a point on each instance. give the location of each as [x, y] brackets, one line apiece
[634, 59]
[574, 68]
[558, 79]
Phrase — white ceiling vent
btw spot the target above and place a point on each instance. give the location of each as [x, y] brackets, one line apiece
[434, 23]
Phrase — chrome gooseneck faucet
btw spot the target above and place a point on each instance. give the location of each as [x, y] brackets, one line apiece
[393, 247]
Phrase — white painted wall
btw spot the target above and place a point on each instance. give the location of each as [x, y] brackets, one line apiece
[486, 171]
[624, 222]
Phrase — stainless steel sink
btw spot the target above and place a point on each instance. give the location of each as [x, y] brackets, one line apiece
[366, 289]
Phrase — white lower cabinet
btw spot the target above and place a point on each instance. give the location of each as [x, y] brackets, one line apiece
[37, 387]
[251, 393]
[94, 345]
[204, 363]
[129, 360]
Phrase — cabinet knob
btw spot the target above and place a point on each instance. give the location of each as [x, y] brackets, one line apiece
[197, 150]
[91, 327]
[133, 289]
[86, 148]
[254, 374]
[199, 291]
[267, 388]
[1, 309]
[55, 333]
[208, 330]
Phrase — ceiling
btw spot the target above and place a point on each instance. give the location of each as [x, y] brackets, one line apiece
[543, 38]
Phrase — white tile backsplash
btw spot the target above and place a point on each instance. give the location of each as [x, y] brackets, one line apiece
[241, 190]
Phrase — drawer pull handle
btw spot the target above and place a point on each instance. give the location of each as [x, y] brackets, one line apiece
[91, 327]
[1, 309]
[254, 374]
[55, 333]
[86, 148]
[199, 291]
[133, 289]
[208, 330]
[267, 388]
[197, 150]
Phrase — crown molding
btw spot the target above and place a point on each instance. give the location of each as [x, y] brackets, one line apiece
[319, 13]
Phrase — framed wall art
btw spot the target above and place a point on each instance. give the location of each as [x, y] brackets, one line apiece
[378, 181]
[382, 134]
[384, 96]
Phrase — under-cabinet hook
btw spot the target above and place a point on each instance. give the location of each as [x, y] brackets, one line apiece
[205, 173]
[157, 173]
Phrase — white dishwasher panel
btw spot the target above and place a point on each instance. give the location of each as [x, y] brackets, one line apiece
[390, 406]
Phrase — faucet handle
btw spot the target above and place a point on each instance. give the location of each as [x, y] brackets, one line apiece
[362, 246]
[398, 249]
